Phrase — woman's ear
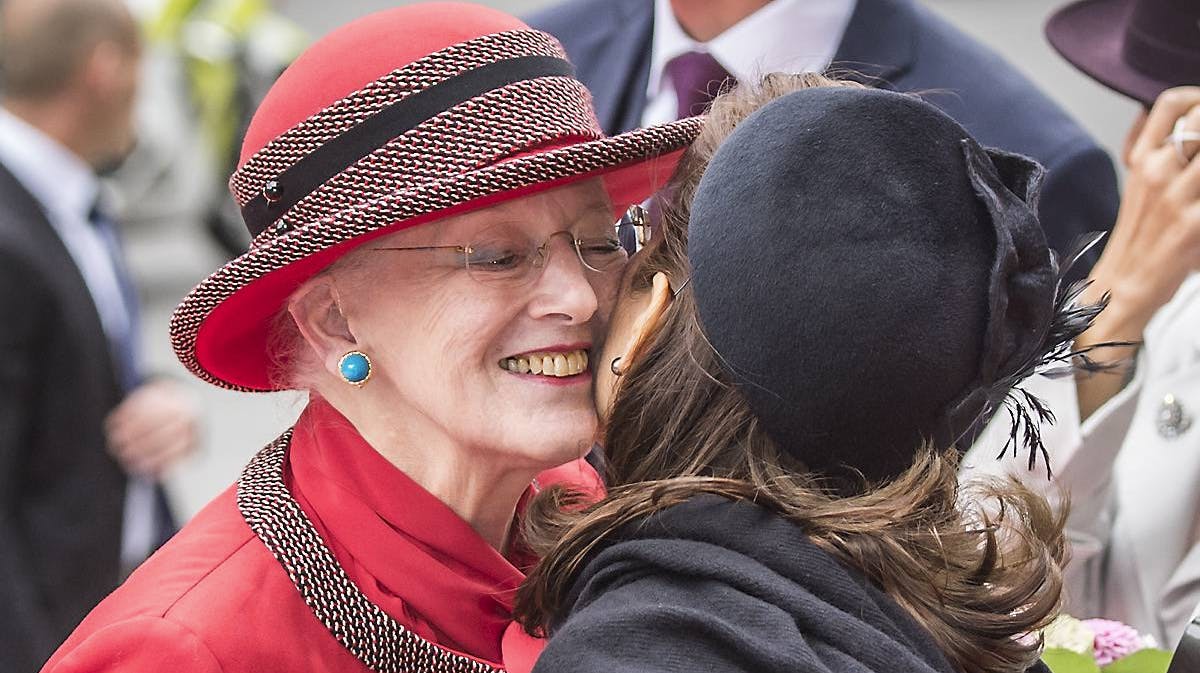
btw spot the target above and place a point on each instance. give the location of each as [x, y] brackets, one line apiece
[646, 323]
[318, 315]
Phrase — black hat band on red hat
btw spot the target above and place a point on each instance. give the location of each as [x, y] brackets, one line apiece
[333, 157]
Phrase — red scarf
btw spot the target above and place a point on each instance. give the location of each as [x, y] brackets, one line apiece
[405, 549]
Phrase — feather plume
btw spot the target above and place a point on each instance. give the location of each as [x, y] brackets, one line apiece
[1056, 357]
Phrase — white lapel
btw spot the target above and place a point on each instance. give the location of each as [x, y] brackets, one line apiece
[1158, 478]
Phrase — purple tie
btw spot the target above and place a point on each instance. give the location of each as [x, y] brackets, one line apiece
[697, 78]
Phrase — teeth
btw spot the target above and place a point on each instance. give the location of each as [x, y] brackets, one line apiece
[548, 364]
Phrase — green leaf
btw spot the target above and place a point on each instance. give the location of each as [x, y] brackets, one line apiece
[1143, 661]
[1065, 661]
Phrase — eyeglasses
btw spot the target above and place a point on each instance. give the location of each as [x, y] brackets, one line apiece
[504, 255]
[637, 219]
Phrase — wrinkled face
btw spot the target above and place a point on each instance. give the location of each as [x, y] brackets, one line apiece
[500, 369]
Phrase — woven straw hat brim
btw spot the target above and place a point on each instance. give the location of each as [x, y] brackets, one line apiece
[221, 329]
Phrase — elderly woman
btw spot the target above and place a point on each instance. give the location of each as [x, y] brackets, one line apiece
[842, 283]
[434, 259]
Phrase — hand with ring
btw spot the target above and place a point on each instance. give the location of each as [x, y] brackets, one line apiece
[1155, 244]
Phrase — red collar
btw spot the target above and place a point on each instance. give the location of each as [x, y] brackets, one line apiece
[405, 549]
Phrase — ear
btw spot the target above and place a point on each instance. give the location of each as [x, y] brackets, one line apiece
[100, 70]
[647, 323]
[318, 315]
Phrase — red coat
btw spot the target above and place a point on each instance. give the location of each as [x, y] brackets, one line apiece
[216, 599]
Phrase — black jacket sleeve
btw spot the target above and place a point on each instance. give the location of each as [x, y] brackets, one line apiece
[27, 632]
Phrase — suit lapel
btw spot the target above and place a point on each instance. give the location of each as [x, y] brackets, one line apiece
[617, 63]
[61, 272]
[880, 42]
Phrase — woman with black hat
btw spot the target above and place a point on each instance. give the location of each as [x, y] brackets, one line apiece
[842, 283]
[1126, 447]
[434, 258]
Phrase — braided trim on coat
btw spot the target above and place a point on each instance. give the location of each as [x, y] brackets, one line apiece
[381, 643]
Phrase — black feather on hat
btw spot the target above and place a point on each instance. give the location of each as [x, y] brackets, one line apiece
[874, 279]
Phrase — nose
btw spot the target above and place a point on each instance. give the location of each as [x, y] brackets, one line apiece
[565, 289]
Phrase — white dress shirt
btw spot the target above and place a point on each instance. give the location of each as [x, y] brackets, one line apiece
[783, 36]
[67, 189]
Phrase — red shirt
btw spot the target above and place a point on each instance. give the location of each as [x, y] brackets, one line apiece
[215, 599]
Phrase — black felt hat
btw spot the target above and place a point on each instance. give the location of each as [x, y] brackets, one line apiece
[873, 278]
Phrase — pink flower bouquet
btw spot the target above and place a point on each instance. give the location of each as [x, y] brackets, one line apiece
[1100, 646]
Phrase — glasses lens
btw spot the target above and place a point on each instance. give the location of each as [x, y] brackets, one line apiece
[500, 255]
[505, 255]
[601, 253]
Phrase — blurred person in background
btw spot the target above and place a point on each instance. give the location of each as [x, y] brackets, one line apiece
[1126, 445]
[647, 61]
[84, 436]
[433, 211]
[224, 55]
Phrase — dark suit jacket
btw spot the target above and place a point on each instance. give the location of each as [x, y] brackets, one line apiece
[61, 495]
[898, 44]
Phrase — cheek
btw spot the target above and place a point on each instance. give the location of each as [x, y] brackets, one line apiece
[607, 288]
[451, 336]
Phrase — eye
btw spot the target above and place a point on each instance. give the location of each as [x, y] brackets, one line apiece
[602, 253]
[600, 246]
[495, 257]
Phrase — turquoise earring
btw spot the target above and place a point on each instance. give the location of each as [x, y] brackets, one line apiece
[355, 368]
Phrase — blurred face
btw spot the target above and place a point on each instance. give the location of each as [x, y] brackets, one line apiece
[477, 357]
[114, 95]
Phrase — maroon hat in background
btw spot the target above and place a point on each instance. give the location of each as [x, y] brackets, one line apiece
[1137, 47]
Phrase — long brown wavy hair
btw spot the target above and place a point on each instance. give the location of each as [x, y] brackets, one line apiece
[982, 580]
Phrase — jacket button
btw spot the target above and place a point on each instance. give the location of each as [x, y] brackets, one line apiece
[272, 191]
[1172, 420]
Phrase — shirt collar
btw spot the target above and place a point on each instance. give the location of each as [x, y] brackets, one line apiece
[56, 176]
[783, 36]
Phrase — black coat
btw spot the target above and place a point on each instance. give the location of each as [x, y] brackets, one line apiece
[61, 495]
[909, 49]
[716, 586]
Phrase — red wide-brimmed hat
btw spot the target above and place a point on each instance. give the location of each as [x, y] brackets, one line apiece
[1136, 47]
[402, 117]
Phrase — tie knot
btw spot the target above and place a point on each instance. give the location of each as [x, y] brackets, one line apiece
[97, 215]
[696, 77]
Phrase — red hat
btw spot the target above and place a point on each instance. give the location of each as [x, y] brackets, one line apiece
[402, 117]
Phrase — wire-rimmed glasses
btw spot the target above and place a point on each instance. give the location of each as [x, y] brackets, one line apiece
[505, 255]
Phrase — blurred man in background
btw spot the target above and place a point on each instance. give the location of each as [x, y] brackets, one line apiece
[83, 436]
[646, 61]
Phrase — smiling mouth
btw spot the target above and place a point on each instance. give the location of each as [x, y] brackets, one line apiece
[556, 365]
